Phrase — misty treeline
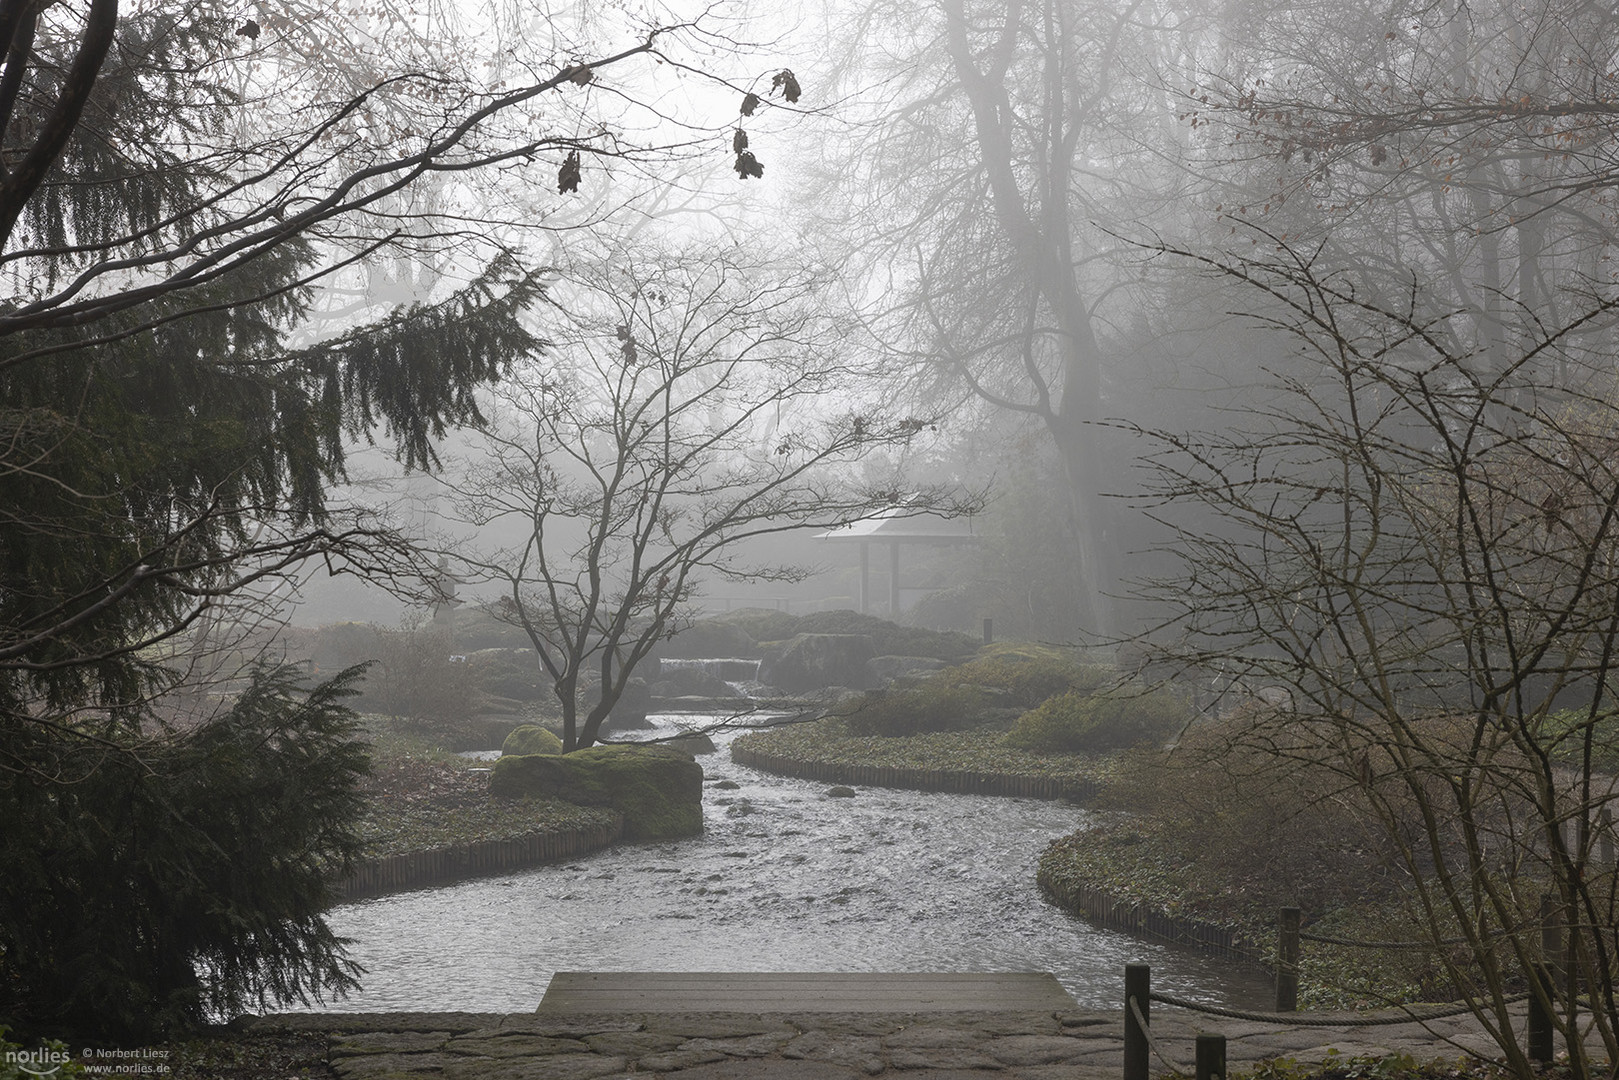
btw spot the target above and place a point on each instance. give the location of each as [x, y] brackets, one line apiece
[1322, 295]
[1037, 245]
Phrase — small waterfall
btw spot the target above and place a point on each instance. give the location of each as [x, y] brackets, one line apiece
[730, 669]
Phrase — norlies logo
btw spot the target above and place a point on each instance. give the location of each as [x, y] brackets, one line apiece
[40, 1062]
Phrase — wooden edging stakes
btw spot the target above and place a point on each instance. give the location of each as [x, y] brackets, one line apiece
[1287, 960]
[1210, 1064]
[1137, 987]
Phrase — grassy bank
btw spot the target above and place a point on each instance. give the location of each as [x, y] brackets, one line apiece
[420, 798]
[976, 751]
[1200, 838]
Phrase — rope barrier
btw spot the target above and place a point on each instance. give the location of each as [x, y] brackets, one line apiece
[1325, 940]
[1296, 1020]
[1146, 1031]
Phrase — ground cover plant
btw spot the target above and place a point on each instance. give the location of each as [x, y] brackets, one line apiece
[1220, 830]
[418, 798]
[982, 751]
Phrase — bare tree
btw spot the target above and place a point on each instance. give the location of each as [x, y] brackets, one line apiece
[1415, 556]
[698, 405]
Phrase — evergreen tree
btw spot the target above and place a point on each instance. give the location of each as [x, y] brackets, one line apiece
[173, 190]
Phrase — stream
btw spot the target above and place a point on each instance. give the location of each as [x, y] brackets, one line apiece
[784, 878]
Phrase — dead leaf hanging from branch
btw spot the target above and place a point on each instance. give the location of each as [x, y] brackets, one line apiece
[747, 165]
[750, 101]
[787, 83]
[568, 175]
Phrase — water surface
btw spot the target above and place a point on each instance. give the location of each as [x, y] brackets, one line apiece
[783, 878]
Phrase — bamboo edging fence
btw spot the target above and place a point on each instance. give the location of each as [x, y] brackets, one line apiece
[416, 869]
[897, 776]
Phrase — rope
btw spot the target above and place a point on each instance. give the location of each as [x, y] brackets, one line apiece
[1146, 1030]
[1296, 1020]
[1325, 940]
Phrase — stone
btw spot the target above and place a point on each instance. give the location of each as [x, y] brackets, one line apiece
[658, 790]
[564, 1067]
[629, 711]
[632, 1043]
[840, 792]
[747, 1046]
[380, 1066]
[678, 1059]
[531, 739]
[385, 1042]
[944, 1058]
[717, 1026]
[1034, 1049]
[932, 1037]
[515, 1045]
[725, 785]
[774, 1070]
[881, 670]
[815, 661]
[708, 638]
[855, 1051]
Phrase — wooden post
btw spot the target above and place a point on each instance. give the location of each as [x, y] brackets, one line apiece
[1540, 1018]
[1287, 959]
[1210, 1062]
[1551, 935]
[1137, 987]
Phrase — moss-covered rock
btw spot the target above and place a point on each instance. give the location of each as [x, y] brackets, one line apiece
[814, 661]
[658, 790]
[530, 739]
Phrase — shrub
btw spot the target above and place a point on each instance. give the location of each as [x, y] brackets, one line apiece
[1080, 721]
[932, 706]
[1028, 673]
[531, 739]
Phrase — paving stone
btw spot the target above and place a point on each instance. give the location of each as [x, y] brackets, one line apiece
[751, 1046]
[849, 1023]
[632, 1043]
[377, 1066]
[861, 1052]
[933, 1036]
[678, 1059]
[723, 1026]
[456, 1022]
[1054, 1072]
[574, 1027]
[768, 1069]
[385, 1042]
[563, 1067]
[515, 1045]
[1033, 1049]
[1019, 1024]
[941, 1058]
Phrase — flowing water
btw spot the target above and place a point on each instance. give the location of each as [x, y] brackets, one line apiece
[784, 878]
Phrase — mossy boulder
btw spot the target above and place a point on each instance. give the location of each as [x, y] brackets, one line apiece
[530, 739]
[815, 661]
[659, 790]
[706, 638]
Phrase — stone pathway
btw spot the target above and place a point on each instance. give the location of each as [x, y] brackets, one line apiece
[823, 1046]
